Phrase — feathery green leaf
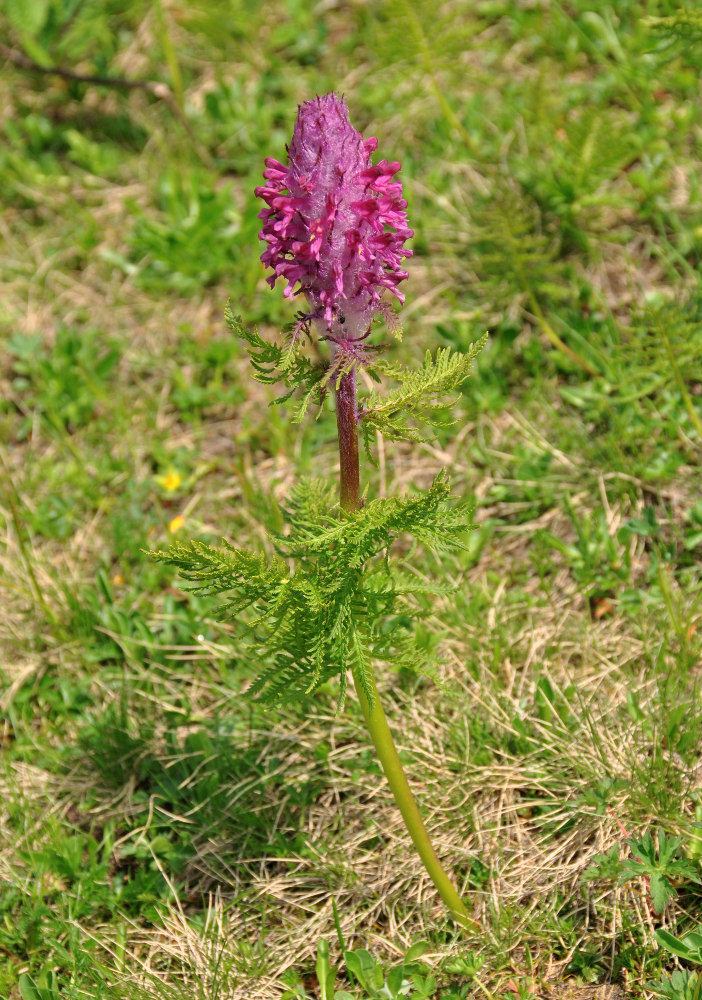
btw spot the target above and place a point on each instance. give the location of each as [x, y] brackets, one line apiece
[424, 394]
[346, 603]
[273, 364]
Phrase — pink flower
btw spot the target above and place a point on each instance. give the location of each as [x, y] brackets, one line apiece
[335, 224]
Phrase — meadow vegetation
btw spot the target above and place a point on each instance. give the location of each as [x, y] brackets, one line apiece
[161, 834]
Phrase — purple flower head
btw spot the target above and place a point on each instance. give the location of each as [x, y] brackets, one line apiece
[335, 223]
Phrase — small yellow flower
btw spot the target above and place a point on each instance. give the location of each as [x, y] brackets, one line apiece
[176, 524]
[171, 481]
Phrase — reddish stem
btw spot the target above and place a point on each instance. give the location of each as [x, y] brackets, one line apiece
[346, 421]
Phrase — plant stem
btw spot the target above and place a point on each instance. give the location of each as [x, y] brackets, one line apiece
[392, 767]
[538, 312]
[422, 43]
[553, 336]
[689, 406]
[160, 90]
[346, 420]
[15, 502]
[170, 56]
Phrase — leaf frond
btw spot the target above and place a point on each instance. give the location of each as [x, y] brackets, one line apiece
[273, 364]
[347, 602]
[424, 393]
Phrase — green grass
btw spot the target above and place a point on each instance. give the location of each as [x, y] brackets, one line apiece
[160, 834]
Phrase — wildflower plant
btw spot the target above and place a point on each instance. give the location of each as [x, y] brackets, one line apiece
[335, 227]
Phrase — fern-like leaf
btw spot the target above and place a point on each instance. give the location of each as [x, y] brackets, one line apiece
[347, 602]
[360, 663]
[217, 570]
[429, 517]
[423, 394]
[273, 364]
[683, 25]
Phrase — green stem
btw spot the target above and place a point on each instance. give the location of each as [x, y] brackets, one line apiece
[420, 39]
[392, 767]
[347, 419]
[14, 501]
[538, 312]
[689, 406]
[171, 58]
[553, 336]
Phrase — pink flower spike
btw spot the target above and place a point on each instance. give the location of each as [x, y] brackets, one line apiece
[336, 223]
